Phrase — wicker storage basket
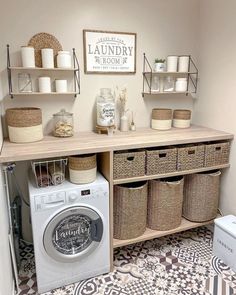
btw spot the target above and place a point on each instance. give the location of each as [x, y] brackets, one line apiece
[165, 199]
[161, 119]
[130, 210]
[24, 124]
[82, 168]
[129, 164]
[161, 161]
[190, 157]
[217, 153]
[181, 118]
[201, 196]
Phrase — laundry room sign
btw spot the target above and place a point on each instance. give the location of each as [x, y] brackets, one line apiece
[109, 52]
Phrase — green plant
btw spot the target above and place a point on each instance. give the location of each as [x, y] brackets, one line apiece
[159, 60]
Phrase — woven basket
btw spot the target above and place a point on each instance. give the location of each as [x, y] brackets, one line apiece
[129, 164]
[130, 210]
[24, 124]
[181, 118]
[190, 157]
[201, 196]
[165, 200]
[82, 168]
[161, 161]
[161, 119]
[217, 154]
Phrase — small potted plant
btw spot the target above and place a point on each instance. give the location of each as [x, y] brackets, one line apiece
[159, 65]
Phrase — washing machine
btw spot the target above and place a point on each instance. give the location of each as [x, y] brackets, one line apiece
[70, 232]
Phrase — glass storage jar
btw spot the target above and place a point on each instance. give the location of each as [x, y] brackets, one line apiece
[63, 124]
[169, 84]
[155, 84]
[24, 82]
[105, 108]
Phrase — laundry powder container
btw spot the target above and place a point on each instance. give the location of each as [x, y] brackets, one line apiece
[201, 196]
[224, 243]
[24, 124]
[130, 210]
[165, 199]
[83, 168]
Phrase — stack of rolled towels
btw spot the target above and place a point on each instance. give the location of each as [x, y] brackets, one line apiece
[49, 175]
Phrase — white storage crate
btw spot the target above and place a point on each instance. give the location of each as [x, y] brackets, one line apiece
[224, 245]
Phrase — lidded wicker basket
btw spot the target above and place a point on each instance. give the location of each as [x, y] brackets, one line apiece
[165, 199]
[83, 168]
[181, 118]
[161, 119]
[130, 210]
[24, 124]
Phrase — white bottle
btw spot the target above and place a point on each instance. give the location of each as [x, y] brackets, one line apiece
[27, 57]
[172, 62]
[183, 64]
[47, 58]
[124, 123]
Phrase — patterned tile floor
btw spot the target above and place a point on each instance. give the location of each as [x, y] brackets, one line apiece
[177, 264]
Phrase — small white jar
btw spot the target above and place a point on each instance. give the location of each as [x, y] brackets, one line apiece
[181, 85]
[61, 86]
[64, 59]
[44, 84]
[47, 58]
[27, 57]
[183, 64]
[172, 63]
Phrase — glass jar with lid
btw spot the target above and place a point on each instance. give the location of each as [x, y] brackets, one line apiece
[105, 108]
[63, 124]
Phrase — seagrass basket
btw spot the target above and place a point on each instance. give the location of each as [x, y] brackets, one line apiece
[130, 210]
[181, 118]
[129, 164]
[201, 196]
[190, 157]
[160, 161]
[83, 168]
[24, 124]
[165, 199]
[217, 153]
[161, 119]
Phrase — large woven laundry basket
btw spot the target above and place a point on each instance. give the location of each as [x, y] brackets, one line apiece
[165, 199]
[130, 210]
[201, 196]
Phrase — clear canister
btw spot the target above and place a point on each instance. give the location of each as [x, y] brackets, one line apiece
[63, 124]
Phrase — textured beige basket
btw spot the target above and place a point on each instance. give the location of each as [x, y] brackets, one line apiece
[165, 200]
[217, 154]
[24, 124]
[161, 161]
[190, 157]
[161, 114]
[182, 114]
[82, 168]
[201, 196]
[129, 164]
[130, 210]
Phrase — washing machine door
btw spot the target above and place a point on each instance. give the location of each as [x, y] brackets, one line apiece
[72, 234]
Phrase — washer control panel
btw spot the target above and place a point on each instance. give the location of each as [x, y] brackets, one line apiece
[51, 200]
[86, 194]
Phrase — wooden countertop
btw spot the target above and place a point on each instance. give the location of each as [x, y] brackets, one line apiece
[89, 142]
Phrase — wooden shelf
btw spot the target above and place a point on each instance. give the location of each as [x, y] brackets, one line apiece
[42, 93]
[177, 173]
[167, 92]
[42, 69]
[152, 234]
[170, 73]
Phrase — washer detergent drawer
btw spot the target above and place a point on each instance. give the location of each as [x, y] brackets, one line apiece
[73, 233]
[50, 201]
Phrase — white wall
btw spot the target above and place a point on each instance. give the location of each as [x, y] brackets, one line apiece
[162, 27]
[217, 102]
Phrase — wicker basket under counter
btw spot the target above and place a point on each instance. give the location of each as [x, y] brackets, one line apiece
[129, 164]
[217, 153]
[160, 161]
[190, 157]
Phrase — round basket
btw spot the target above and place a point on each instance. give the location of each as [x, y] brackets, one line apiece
[83, 168]
[161, 114]
[24, 124]
[181, 118]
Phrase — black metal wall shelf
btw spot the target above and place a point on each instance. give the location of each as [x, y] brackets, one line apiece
[75, 70]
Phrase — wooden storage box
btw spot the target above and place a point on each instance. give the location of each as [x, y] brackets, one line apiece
[129, 164]
[160, 161]
[83, 168]
[190, 157]
[130, 210]
[24, 124]
[217, 153]
[201, 196]
[165, 199]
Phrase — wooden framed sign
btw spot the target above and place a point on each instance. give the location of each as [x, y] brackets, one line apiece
[109, 52]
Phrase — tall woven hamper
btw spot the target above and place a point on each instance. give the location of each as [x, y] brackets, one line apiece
[130, 210]
[165, 199]
[201, 196]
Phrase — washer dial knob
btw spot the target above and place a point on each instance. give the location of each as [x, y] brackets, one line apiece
[72, 197]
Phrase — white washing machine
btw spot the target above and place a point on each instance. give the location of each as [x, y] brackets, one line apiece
[70, 231]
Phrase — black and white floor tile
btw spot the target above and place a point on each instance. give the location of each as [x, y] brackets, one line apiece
[179, 264]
